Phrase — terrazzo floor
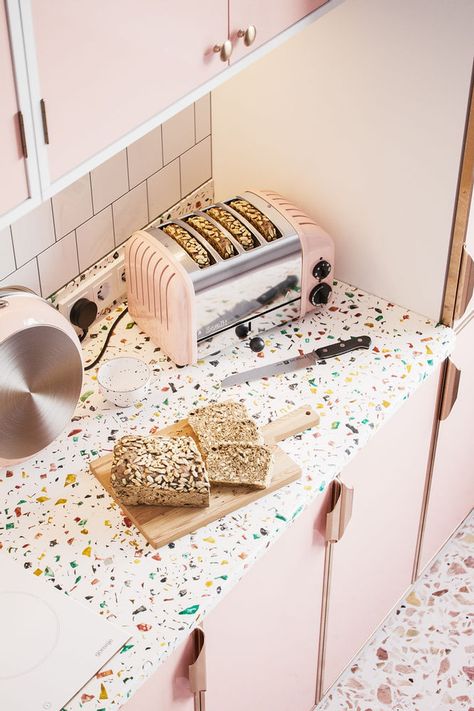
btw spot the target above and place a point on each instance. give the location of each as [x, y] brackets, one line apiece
[422, 657]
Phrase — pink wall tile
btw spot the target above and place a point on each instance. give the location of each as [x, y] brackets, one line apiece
[163, 189]
[58, 264]
[202, 115]
[33, 233]
[109, 181]
[130, 213]
[178, 134]
[95, 238]
[27, 275]
[72, 206]
[7, 259]
[195, 166]
[145, 157]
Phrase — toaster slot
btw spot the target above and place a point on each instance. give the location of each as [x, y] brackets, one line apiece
[234, 225]
[256, 217]
[213, 234]
[188, 240]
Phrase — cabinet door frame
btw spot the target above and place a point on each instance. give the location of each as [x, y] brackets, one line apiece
[24, 105]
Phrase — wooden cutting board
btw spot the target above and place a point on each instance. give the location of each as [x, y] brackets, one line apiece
[162, 524]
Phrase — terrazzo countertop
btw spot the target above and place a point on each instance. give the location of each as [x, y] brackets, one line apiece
[58, 522]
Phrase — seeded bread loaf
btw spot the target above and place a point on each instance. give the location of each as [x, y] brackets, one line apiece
[165, 471]
[238, 463]
[211, 432]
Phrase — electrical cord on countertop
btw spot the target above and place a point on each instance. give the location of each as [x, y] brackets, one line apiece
[106, 342]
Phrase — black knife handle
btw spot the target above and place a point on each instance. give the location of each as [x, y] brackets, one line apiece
[290, 282]
[340, 347]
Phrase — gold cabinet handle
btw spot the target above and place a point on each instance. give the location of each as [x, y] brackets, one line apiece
[224, 50]
[197, 670]
[249, 35]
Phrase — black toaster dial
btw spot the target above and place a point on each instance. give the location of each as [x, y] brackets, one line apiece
[320, 294]
[321, 270]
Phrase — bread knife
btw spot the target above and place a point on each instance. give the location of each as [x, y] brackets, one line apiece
[307, 360]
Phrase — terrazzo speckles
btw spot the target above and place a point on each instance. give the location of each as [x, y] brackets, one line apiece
[422, 657]
[59, 523]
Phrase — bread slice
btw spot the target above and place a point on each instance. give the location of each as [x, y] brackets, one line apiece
[217, 412]
[238, 463]
[164, 471]
[216, 432]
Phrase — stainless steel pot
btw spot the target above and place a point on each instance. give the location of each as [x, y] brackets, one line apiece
[40, 374]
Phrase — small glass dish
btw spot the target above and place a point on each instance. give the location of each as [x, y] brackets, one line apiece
[124, 380]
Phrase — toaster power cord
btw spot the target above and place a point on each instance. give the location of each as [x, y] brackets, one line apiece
[106, 342]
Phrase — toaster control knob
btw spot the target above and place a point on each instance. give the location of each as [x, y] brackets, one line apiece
[242, 330]
[320, 294]
[257, 344]
[321, 270]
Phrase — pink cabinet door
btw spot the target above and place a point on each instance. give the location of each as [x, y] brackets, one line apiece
[106, 67]
[372, 564]
[269, 17]
[168, 688]
[262, 639]
[452, 484]
[13, 178]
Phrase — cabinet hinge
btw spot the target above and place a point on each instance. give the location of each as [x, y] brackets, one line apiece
[21, 128]
[197, 670]
[340, 512]
[452, 376]
[45, 121]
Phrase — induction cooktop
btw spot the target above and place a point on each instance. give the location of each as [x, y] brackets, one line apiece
[50, 644]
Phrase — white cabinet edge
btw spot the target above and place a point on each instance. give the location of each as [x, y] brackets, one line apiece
[22, 27]
[24, 105]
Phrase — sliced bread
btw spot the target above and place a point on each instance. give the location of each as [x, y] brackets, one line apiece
[215, 432]
[217, 412]
[238, 463]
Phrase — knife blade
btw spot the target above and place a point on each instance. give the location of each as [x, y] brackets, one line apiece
[307, 360]
[247, 307]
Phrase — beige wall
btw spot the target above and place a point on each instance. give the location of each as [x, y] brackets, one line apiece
[359, 119]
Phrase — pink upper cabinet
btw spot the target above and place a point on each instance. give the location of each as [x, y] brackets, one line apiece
[269, 17]
[104, 68]
[14, 184]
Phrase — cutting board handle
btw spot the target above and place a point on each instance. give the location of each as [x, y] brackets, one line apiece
[293, 423]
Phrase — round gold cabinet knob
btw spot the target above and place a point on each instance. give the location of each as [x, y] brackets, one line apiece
[249, 35]
[224, 50]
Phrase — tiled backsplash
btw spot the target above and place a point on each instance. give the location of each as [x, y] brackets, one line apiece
[66, 235]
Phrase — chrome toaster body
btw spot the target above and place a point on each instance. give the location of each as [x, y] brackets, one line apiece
[191, 310]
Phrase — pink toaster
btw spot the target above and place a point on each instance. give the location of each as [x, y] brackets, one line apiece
[235, 269]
